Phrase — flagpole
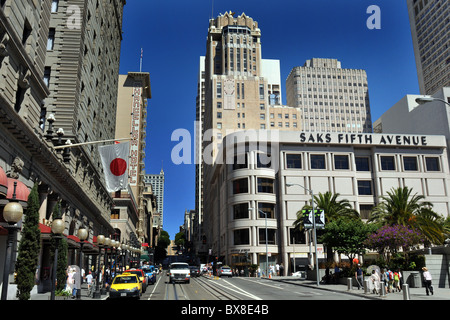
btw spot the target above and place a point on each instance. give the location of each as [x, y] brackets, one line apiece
[86, 143]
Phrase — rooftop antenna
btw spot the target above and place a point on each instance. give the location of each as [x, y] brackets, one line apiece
[142, 54]
[212, 10]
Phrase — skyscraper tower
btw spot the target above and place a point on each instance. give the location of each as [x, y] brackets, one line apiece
[332, 99]
[157, 182]
[429, 29]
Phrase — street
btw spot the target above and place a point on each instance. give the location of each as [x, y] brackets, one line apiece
[236, 288]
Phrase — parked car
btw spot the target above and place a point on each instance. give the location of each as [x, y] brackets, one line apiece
[225, 271]
[141, 275]
[125, 285]
[150, 272]
[195, 271]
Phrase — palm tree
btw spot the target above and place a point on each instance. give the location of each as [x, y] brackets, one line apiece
[333, 210]
[402, 208]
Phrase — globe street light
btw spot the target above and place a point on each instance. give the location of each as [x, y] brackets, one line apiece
[314, 228]
[58, 227]
[12, 214]
[82, 235]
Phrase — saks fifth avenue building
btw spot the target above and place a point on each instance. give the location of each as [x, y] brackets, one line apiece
[254, 170]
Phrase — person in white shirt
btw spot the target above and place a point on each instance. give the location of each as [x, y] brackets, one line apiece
[427, 278]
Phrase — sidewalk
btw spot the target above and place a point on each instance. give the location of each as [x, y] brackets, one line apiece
[414, 293]
[84, 292]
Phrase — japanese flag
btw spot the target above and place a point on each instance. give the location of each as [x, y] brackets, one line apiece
[115, 165]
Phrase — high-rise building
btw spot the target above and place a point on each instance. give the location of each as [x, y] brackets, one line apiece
[131, 122]
[332, 99]
[237, 90]
[157, 182]
[429, 29]
[58, 82]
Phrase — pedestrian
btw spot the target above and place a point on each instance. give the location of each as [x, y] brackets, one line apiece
[359, 276]
[277, 268]
[76, 283]
[281, 269]
[390, 280]
[383, 279]
[69, 281]
[397, 281]
[374, 281]
[259, 272]
[427, 278]
[89, 280]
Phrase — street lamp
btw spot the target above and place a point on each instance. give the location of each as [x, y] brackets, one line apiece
[12, 214]
[426, 99]
[57, 229]
[100, 242]
[314, 227]
[267, 251]
[82, 235]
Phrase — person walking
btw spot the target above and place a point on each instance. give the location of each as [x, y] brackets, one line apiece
[375, 280]
[427, 278]
[359, 276]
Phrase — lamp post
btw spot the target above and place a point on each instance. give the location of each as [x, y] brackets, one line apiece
[57, 229]
[314, 227]
[12, 214]
[426, 99]
[82, 235]
[100, 242]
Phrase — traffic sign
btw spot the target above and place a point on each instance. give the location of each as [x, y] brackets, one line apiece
[319, 216]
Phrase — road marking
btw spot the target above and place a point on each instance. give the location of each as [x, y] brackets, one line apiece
[154, 288]
[239, 290]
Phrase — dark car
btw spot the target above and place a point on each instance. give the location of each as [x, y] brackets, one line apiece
[195, 271]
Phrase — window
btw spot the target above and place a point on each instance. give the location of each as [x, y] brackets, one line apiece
[410, 163]
[364, 187]
[317, 161]
[51, 39]
[263, 160]
[261, 91]
[240, 162]
[364, 210]
[26, 32]
[219, 90]
[271, 236]
[265, 185]
[47, 72]
[432, 164]
[115, 214]
[240, 186]
[267, 208]
[387, 163]
[241, 236]
[341, 162]
[293, 161]
[240, 211]
[362, 164]
[55, 5]
[296, 236]
[219, 115]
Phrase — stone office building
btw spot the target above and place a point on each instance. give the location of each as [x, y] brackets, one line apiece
[59, 71]
[254, 175]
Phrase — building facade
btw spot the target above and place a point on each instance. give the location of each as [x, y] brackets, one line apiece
[51, 94]
[429, 30]
[157, 183]
[330, 98]
[360, 167]
[131, 213]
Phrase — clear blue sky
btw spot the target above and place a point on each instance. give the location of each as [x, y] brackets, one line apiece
[173, 36]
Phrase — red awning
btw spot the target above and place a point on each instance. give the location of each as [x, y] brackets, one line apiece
[44, 228]
[3, 182]
[22, 191]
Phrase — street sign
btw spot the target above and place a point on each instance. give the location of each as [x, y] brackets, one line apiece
[319, 217]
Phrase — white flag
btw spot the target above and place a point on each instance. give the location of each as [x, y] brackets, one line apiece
[115, 165]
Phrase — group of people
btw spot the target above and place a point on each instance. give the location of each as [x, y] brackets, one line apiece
[74, 281]
[391, 280]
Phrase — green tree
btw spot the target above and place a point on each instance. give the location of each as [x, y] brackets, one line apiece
[161, 246]
[180, 240]
[347, 236]
[29, 247]
[401, 207]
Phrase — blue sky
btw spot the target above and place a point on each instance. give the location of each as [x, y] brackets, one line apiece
[173, 34]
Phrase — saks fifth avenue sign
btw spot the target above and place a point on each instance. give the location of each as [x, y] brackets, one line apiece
[365, 139]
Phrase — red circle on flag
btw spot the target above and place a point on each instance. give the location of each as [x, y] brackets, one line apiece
[118, 167]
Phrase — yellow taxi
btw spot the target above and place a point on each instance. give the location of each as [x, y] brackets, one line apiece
[126, 285]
